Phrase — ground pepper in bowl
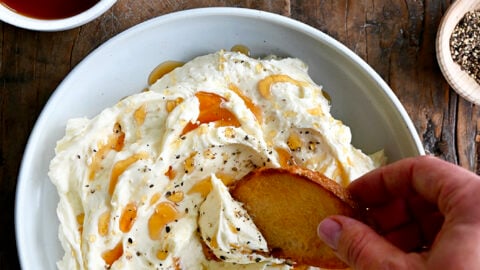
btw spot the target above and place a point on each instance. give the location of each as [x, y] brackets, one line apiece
[465, 44]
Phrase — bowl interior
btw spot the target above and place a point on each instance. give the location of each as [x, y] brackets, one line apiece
[121, 66]
[9, 16]
[458, 79]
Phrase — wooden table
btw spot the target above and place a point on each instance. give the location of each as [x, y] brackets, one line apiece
[397, 38]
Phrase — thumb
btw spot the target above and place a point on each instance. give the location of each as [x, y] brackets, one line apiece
[360, 246]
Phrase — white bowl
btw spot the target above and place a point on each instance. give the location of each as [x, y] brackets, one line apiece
[9, 16]
[120, 67]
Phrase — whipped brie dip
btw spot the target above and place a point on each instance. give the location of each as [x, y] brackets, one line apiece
[144, 184]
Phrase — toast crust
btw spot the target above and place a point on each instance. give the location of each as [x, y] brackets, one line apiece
[287, 204]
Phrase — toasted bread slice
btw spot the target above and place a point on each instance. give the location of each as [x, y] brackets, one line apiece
[287, 205]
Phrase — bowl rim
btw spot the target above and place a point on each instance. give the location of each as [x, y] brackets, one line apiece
[27, 161]
[9, 16]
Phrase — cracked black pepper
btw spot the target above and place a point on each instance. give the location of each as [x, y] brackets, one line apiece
[465, 44]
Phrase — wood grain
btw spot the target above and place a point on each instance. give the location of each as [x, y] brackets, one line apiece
[396, 37]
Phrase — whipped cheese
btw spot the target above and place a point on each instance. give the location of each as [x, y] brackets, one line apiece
[144, 184]
[228, 230]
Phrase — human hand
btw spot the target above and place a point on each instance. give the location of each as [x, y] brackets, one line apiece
[426, 213]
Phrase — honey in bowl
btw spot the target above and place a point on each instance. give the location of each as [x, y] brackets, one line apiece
[49, 9]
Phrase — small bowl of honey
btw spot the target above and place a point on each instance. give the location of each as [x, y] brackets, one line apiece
[52, 15]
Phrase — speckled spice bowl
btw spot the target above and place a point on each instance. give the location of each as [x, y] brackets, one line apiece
[458, 79]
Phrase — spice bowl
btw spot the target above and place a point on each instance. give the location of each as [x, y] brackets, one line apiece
[458, 78]
[15, 17]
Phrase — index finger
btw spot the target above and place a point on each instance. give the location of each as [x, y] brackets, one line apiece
[425, 175]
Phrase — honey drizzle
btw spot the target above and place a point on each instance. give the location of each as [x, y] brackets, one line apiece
[165, 212]
[103, 223]
[248, 102]
[265, 84]
[226, 179]
[155, 198]
[172, 104]
[114, 142]
[189, 163]
[202, 187]
[294, 142]
[120, 167]
[162, 255]
[80, 219]
[111, 256]
[140, 114]
[170, 173]
[241, 49]
[162, 69]
[175, 196]
[211, 111]
[128, 217]
[285, 157]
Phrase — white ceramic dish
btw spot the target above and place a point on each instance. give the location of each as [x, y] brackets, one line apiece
[9, 16]
[121, 66]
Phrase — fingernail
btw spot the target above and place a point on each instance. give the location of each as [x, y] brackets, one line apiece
[329, 231]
